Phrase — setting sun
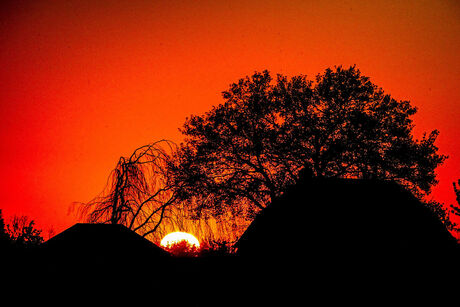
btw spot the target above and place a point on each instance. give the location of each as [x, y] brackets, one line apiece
[176, 237]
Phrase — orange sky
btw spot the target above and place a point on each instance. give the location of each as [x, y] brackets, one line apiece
[83, 83]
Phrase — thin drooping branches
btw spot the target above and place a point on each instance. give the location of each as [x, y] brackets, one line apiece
[140, 192]
[143, 193]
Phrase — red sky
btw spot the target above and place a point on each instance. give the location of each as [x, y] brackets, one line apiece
[82, 83]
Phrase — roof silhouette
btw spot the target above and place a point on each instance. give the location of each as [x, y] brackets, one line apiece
[107, 261]
[99, 240]
[335, 218]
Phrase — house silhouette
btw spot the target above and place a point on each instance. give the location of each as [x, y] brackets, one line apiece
[99, 250]
[328, 219]
[101, 240]
[337, 240]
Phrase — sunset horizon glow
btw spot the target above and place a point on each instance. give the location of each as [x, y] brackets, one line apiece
[178, 236]
[85, 82]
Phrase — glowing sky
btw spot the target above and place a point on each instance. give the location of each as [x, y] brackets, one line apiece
[84, 82]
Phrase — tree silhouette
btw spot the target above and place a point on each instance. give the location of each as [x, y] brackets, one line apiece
[251, 147]
[457, 191]
[140, 191]
[23, 233]
[456, 207]
[4, 237]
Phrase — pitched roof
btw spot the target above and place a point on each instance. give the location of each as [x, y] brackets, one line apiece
[100, 239]
[343, 216]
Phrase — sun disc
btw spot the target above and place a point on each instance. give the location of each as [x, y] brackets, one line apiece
[176, 237]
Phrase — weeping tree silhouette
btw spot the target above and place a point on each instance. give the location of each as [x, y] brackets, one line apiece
[140, 192]
[143, 194]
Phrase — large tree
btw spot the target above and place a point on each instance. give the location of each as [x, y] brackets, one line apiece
[249, 148]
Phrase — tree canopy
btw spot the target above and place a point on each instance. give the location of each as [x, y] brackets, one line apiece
[252, 146]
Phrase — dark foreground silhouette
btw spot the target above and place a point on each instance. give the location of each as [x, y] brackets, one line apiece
[335, 219]
[103, 241]
[336, 241]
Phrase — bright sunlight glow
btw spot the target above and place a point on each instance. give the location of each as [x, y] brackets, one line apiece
[176, 237]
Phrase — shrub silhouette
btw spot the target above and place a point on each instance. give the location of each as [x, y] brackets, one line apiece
[216, 248]
[212, 248]
[455, 208]
[22, 232]
[183, 249]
